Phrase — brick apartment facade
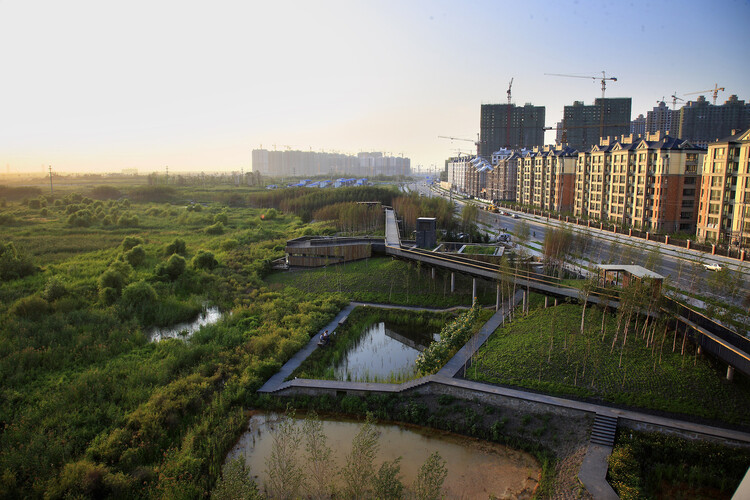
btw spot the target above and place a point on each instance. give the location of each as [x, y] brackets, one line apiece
[724, 210]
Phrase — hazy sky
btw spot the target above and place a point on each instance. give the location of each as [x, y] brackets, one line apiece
[105, 85]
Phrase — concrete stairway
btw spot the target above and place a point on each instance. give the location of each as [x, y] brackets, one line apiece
[604, 429]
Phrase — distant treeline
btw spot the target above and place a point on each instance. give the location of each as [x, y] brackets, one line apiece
[19, 193]
[303, 202]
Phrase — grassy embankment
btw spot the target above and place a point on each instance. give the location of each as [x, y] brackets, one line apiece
[384, 280]
[546, 352]
[89, 407]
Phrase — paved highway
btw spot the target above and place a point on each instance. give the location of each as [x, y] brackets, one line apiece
[683, 267]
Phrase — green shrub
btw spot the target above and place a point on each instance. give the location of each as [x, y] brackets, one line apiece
[204, 260]
[136, 256]
[7, 219]
[176, 247]
[228, 245]
[35, 204]
[85, 479]
[128, 220]
[131, 241]
[32, 306]
[222, 217]
[270, 214]
[54, 289]
[81, 218]
[139, 298]
[114, 278]
[13, 265]
[215, 229]
[173, 268]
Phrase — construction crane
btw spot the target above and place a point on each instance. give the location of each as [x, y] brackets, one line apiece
[476, 143]
[714, 91]
[507, 117]
[674, 100]
[508, 92]
[603, 79]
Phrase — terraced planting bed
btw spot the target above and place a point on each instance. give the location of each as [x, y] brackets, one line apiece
[546, 352]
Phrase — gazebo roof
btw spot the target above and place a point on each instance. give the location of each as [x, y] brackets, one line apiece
[637, 271]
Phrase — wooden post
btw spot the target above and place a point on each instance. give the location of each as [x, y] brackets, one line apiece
[453, 281]
[730, 373]
[713, 249]
[497, 299]
[433, 273]
[546, 300]
[473, 290]
[688, 244]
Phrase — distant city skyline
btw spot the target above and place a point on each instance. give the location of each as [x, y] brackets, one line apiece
[93, 86]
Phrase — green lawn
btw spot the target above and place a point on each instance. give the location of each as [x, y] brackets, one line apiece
[546, 352]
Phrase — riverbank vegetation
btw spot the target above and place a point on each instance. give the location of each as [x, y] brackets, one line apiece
[651, 465]
[650, 367]
[89, 406]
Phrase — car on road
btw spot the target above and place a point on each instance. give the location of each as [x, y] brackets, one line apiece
[515, 216]
[712, 267]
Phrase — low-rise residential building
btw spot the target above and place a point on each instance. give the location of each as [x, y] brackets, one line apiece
[501, 182]
[724, 210]
[545, 178]
[644, 182]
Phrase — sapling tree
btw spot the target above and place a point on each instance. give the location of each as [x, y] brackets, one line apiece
[358, 473]
[285, 475]
[428, 484]
[318, 458]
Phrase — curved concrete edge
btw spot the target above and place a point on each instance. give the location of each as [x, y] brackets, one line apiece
[593, 472]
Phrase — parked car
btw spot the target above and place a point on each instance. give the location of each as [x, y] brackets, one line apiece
[515, 216]
[712, 267]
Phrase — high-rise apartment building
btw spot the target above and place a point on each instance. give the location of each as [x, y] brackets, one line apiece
[638, 125]
[702, 123]
[724, 211]
[648, 183]
[510, 126]
[310, 163]
[662, 119]
[583, 125]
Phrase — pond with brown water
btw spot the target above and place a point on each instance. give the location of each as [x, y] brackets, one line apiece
[476, 469]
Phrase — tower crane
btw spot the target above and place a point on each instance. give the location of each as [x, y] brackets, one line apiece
[476, 143]
[675, 99]
[508, 92]
[714, 91]
[603, 79]
[507, 117]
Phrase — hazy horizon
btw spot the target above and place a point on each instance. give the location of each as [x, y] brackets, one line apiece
[95, 87]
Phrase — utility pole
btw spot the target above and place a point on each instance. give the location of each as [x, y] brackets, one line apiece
[167, 178]
[50, 181]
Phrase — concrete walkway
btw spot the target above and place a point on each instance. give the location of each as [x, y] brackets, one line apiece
[593, 471]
